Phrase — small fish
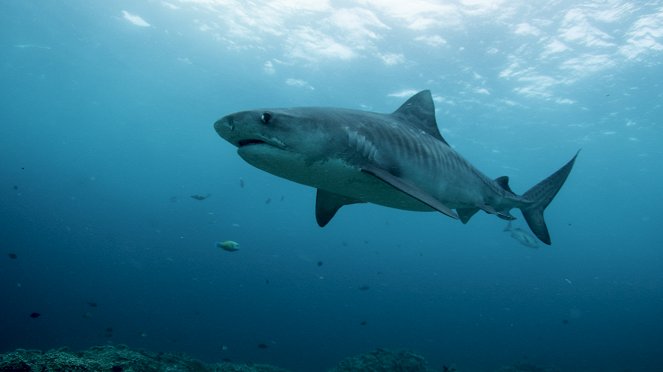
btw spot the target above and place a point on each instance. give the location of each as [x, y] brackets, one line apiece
[523, 237]
[13, 256]
[200, 197]
[364, 288]
[241, 183]
[263, 346]
[91, 304]
[269, 200]
[228, 245]
[35, 315]
[319, 263]
[363, 323]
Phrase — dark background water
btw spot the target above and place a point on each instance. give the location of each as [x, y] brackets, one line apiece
[106, 131]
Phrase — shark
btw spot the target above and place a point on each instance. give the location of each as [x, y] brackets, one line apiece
[397, 160]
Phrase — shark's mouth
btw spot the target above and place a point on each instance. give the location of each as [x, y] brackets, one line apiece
[249, 142]
[273, 142]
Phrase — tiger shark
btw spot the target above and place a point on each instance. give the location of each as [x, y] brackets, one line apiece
[398, 160]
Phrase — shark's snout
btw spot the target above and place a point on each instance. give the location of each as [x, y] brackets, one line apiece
[225, 128]
[224, 125]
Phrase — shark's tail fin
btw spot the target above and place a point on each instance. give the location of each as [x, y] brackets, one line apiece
[540, 196]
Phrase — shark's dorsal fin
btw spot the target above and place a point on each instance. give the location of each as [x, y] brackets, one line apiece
[419, 112]
[328, 203]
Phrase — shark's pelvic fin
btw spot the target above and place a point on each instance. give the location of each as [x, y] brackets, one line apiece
[540, 196]
[419, 112]
[327, 204]
[466, 213]
[409, 189]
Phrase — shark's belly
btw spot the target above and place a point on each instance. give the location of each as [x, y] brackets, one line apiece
[333, 175]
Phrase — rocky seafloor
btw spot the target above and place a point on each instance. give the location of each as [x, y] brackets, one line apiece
[121, 358]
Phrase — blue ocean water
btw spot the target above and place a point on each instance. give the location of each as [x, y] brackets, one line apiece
[106, 133]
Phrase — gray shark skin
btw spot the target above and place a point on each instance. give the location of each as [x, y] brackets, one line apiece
[398, 160]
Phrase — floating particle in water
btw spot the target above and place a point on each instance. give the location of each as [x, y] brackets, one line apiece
[12, 256]
[565, 321]
[363, 323]
[319, 263]
[269, 200]
[35, 315]
[200, 197]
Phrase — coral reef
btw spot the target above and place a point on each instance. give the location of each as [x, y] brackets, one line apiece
[382, 360]
[115, 359]
[120, 358]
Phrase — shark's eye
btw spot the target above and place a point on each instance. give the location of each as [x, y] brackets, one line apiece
[265, 117]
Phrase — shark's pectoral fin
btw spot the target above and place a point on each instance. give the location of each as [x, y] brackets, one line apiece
[327, 204]
[409, 189]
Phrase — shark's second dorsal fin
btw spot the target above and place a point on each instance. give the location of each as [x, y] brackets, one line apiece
[419, 111]
[504, 183]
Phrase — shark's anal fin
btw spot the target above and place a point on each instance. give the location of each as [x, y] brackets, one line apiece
[409, 189]
[327, 204]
